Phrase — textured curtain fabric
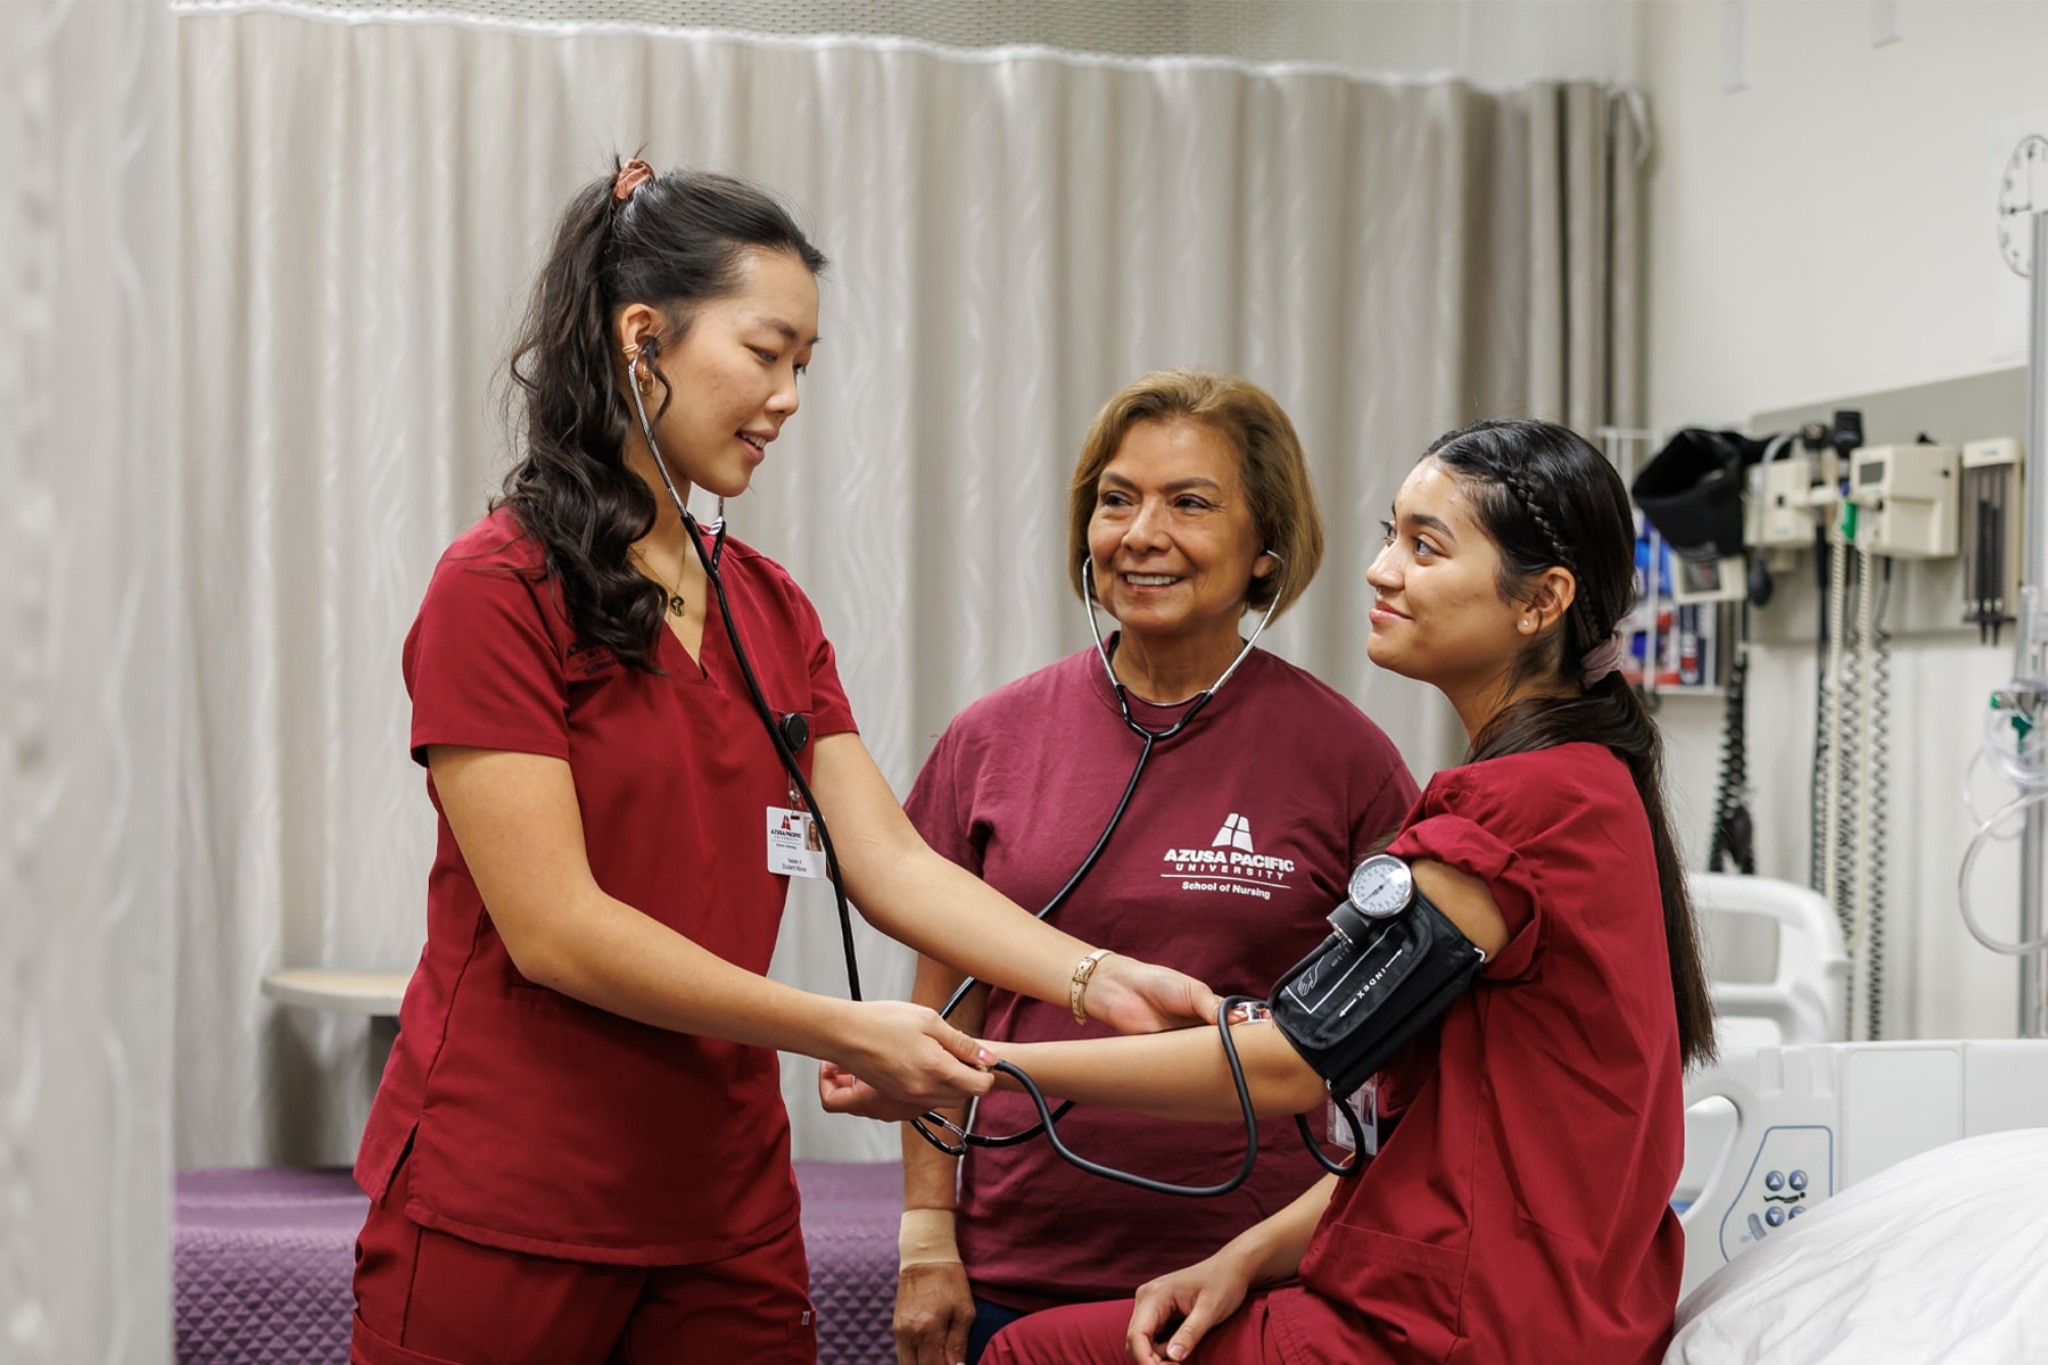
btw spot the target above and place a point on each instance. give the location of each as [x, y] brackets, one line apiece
[89, 527]
[1013, 234]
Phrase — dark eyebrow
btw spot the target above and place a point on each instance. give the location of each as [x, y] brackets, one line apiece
[787, 332]
[1177, 486]
[1429, 523]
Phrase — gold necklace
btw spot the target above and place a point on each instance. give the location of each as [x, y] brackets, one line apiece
[676, 604]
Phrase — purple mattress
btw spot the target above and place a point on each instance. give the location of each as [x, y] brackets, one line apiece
[264, 1255]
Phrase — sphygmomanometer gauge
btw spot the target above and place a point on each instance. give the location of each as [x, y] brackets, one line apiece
[1382, 886]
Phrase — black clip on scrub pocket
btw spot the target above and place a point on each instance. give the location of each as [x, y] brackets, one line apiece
[1392, 967]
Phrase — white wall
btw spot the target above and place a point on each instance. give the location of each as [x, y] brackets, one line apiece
[1827, 231]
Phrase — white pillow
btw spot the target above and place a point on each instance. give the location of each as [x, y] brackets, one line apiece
[1940, 1260]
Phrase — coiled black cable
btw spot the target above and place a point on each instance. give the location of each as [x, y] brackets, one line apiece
[1879, 812]
[1846, 702]
[1734, 839]
[1816, 852]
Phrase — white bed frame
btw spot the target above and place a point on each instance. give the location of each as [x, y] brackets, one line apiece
[1812, 1120]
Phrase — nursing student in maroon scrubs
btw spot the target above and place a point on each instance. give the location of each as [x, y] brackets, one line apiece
[1192, 507]
[578, 1154]
[1518, 1209]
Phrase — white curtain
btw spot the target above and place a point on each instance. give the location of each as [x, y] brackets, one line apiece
[1014, 235]
[89, 532]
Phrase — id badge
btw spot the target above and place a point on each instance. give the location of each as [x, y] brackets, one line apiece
[1364, 1102]
[794, 849]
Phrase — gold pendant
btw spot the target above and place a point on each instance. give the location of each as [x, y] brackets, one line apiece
[676, 605]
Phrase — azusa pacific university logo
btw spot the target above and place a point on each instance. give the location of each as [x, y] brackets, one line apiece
[1236, 833]
[1231, 861]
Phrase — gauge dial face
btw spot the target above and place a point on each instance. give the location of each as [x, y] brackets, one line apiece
[2022, 193]
[1382, 886]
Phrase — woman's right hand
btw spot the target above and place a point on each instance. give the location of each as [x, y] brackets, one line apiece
[912, 1056]
[1201, 1296]
[934, 1312]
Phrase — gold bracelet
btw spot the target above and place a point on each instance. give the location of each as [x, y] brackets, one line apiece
[1077, 990]
[924, 1237]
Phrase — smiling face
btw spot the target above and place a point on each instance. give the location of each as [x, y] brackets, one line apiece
[1439, 615]
[733, 372]
[1172, 540]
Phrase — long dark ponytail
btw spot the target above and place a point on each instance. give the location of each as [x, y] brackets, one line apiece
[1547, 498]
[674, 242]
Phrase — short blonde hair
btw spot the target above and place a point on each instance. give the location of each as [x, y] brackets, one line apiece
[1270, 462]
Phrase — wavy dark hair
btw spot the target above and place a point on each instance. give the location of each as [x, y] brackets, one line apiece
[675, 243]
[1548, 499]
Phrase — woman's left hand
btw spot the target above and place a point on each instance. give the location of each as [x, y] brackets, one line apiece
[1174, 1312]
[1142, 997]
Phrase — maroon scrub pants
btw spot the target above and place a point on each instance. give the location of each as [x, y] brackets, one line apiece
[427, 1298]
[1093, 1334]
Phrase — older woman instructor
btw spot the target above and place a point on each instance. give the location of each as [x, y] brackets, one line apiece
[1190, 507]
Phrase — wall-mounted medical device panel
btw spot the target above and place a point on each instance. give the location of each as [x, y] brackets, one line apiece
[1993, 521]
[1784, 508]
[1907, 500]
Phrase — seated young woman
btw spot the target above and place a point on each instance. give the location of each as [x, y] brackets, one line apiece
[1517, 1208]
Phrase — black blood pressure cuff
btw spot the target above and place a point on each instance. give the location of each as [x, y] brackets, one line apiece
[1385, 973]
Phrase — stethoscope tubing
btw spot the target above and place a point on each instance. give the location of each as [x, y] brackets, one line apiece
[1048, 1118]
[712, 560]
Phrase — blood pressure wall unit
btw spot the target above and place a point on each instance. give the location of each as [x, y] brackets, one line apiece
[1906, 500]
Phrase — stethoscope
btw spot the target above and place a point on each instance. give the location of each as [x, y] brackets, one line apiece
[963, 1135]
[789, 733]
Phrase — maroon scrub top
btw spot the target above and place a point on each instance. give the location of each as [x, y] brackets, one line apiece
[1520, 1211]
[1239, 839]
[535, 1122]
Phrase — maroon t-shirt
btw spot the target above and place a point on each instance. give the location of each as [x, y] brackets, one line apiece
[1240, 838]
[536, 1122]
[1520, 1211]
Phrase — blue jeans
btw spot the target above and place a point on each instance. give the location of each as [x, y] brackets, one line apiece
[989, 1319]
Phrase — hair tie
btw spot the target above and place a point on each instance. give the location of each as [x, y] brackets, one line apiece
[1602, 659]
[632, 176]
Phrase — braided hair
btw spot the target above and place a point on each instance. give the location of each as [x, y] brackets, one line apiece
[1547, 500]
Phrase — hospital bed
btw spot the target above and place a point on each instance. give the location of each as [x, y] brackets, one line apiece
[1877, 1203]
[1799, 998]
[1853, 1203]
